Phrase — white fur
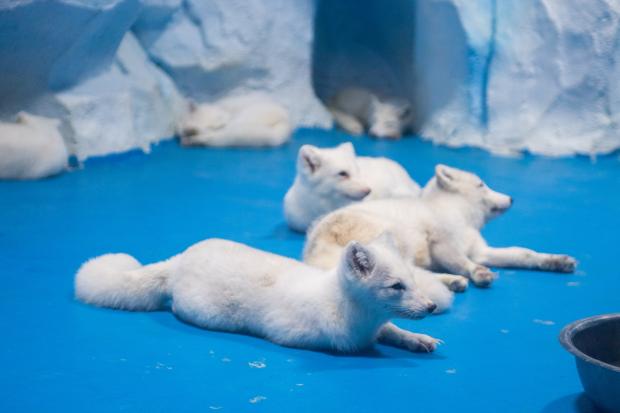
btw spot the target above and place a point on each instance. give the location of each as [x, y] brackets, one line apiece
[439, 231]
[356, 110]
[320, 188]
[251, 120]
[31, 148]
[223, 285]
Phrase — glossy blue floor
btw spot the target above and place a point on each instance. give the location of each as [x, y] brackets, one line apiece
[501, 352]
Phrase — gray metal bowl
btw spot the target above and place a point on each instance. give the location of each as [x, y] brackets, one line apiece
[595, 343]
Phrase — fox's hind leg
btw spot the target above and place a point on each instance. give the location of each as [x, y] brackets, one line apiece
[517, 257]
[394, 336]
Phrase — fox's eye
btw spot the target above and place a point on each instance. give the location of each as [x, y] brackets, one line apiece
[398, 286]
[481, 184]
[344, 174]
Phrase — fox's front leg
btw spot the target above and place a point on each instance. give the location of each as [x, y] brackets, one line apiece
[448, 256]
[517, 257]
[394, 336]
[347, 122]
[456, 283]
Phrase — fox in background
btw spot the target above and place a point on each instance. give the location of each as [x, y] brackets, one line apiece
[329, 178]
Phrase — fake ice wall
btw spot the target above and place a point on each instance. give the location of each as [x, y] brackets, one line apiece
[539, 75]
[116, 71]
[77, 61]
[215, 48]
[507, 75]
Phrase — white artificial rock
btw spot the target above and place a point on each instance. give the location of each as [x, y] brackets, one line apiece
[129, 105]
[77, 61]
[509, 75]
[506, 75]
[47, 46]
[216, 48]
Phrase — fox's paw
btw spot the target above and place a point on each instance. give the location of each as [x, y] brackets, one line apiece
[421, 343]
[355, 129]
[560, 263]
[483, 277]
[458, 284]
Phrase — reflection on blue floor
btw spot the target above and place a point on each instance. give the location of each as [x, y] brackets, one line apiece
[60, 355]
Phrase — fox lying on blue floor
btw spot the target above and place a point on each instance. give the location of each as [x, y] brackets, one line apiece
[223, 285]
[439, 231]
[330, 178]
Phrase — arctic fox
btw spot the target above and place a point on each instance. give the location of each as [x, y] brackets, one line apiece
[222, 285]
[251, 120]
[31, 148]
[439, 231]
[330, 178]
[356, 110]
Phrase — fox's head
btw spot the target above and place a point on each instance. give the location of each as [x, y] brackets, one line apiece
[332, 173]
[202, 119]
[472, 189]
[377, 276]
[389, 118]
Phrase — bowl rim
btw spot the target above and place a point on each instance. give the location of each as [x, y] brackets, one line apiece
[569, 331]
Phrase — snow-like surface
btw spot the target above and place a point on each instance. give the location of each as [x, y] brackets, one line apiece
[538, 75]
[129, 105]
[116, 71]
[507, 75]
[77, 61]
[213, 48]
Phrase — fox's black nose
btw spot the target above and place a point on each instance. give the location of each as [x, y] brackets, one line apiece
[511, 201]
[431, 307]
[190, 132]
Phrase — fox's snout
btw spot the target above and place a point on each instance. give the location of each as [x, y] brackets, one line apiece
[431, 307]
[358, 194]
[501, 203]
[190, 131]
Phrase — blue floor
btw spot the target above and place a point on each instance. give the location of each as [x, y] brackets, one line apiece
[60, 355]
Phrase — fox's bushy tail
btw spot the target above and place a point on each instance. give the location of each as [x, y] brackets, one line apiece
[120, 281]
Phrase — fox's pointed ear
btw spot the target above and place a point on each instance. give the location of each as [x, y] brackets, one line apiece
[347, 147]
[309, 158]
[445, 177]
[22, 117]
[359, 259]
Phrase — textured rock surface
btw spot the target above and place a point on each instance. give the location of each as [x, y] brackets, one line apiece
[79, 60]
[213, 48]
[129, 105]
[52, 45]
[539, 75]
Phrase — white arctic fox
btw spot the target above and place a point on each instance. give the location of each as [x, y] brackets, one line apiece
[330, 178]
[356, 110]
[250, 120]
[439, 231]
[222, 285]
[31, 148]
